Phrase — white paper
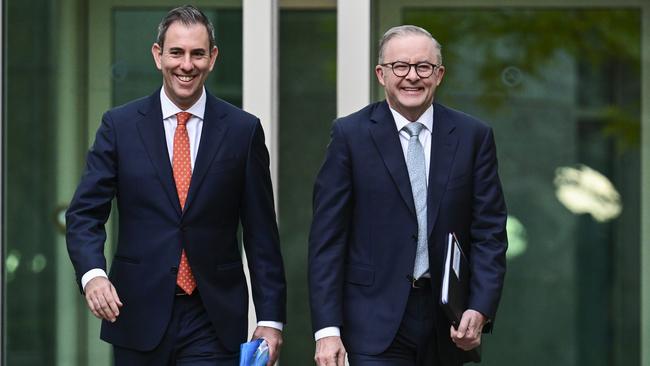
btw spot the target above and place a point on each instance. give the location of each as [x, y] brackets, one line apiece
[457, 260]
[445, 277]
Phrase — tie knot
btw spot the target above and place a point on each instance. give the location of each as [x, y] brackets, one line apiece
[414, 128]
[183, 117]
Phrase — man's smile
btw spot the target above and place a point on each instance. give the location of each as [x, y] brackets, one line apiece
[411, 90]
[185, 78]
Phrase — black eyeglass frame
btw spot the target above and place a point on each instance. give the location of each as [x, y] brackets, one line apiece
[392, 67]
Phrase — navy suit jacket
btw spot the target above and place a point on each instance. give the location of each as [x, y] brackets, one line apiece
[230, 185]
[363, 237]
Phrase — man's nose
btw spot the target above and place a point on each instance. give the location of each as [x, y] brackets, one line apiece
[186, 63]
[412, 74]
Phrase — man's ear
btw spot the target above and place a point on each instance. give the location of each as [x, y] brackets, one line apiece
[213, 56]
[156, 52]
[441, 73]
[379, 72]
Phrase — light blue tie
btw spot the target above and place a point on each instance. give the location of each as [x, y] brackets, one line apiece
[418, 177]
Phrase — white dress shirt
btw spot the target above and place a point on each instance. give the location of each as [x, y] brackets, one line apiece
[425, 134]
[425, 140]
[194, 127]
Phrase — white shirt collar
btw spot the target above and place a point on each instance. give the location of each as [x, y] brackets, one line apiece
[426, 119]
[170, 109]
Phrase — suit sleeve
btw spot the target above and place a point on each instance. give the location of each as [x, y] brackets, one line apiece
[91, 204]
[260, 234]
[332, 206]
[488, 231]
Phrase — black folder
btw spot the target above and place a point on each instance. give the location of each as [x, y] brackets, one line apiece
[455, 288]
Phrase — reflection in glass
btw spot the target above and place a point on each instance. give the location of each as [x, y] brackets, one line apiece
[517, 240]
[12, 262]
[39, 262]
[584, 190]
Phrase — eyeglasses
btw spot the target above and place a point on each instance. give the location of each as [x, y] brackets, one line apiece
[401, 69]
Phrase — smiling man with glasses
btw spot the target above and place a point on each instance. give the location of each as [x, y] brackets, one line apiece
[399, 176]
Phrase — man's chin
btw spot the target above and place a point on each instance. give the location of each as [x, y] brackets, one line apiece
[185, 100]
[419, 106]
[413, 101]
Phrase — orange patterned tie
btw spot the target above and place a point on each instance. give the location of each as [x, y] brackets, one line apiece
[182, 166]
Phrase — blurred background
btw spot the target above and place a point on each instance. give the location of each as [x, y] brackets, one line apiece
[561, 84]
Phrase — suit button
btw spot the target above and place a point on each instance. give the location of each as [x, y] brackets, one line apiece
[174, 270]
[183, 228]
[414, 237]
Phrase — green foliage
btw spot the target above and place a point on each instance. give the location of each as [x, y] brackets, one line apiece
[512, 48]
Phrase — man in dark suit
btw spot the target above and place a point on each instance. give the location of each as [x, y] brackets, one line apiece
[186, 168]
[398, 177]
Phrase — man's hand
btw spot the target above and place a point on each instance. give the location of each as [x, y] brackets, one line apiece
[330, 352]
[273, 338]
[102, 299]
[468, 335]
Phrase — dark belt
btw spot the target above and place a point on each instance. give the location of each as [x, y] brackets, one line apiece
[420, 283]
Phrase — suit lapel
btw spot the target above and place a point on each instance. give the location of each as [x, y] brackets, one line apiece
[212, 135]
[152, 133]
[386, 138]
[444, 143]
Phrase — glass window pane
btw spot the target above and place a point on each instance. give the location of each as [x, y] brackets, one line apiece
[307, 109]
[30, 168]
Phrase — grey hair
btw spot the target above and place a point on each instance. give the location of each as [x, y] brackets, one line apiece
[404, 30]
[187, 15]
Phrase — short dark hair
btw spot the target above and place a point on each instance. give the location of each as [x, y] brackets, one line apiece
[187, 15]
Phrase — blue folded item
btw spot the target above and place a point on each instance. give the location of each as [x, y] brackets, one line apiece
[254, 353]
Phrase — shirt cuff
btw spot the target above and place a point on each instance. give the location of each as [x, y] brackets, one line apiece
[95, 272]
[270, 324]
[327, 332]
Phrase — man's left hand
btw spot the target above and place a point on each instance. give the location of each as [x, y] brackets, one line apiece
[468, 334]
[273, 339]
